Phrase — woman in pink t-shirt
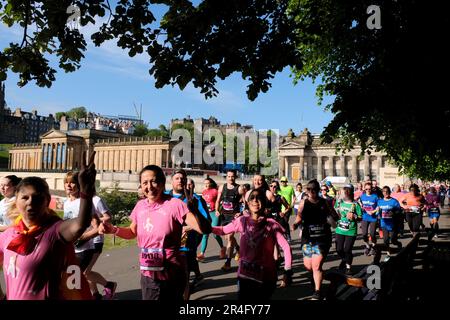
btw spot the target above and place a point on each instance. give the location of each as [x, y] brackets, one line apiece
[257, 273]
[37, 252]
[157, 222]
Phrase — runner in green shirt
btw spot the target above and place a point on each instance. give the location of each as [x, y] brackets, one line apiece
[288, 193]
[350, 212]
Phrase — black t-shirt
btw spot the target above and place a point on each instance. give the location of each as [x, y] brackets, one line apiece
[314, 220]
[230, 200]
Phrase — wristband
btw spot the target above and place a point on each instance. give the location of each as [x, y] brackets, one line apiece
[85, 195]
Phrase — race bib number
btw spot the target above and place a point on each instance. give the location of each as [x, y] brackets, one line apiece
[386, 214]
[250, 270]
[227, 206]
[367, 208]
[316, 230]
[152, 259]
[433, 210]
[344, 225]
[414, 209]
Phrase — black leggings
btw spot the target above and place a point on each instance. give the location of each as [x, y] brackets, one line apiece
[367, 227]
[414, 220]
[344, 247]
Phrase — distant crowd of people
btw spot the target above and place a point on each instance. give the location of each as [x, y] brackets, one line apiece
[172, 229]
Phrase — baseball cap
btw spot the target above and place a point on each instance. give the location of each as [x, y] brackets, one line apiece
[350, 186]
[284, 179]
[328, 183]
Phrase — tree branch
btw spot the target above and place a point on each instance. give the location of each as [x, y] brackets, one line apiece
[27, 17]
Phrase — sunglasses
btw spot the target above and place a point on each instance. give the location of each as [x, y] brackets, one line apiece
[272, 186]
[324, 189]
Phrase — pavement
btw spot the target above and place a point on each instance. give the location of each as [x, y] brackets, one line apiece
[121, 265]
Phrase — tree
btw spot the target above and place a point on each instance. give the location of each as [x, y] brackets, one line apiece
[382, 79]
[58, 115]
[140, 130]
[378, 76]
[77, 113]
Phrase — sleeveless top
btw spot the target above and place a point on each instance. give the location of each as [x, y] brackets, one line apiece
[274, 208]
[314, 220]
[230, 200]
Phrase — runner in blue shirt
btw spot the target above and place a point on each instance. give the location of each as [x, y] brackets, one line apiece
[389, 209]
[369, 203]
[190, 239]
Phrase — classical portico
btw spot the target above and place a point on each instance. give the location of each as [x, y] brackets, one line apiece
[303, 158]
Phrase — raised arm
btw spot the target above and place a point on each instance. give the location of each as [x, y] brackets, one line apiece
[70, 230]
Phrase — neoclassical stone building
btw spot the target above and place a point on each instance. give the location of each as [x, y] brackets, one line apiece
[63, 150]
[303, 158]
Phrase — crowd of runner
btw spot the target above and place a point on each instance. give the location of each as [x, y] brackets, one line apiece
[38, 249]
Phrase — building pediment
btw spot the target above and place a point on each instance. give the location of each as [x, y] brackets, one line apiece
[291, 145]
[54, 134]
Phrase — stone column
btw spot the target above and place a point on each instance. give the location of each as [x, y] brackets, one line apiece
[355, 169]
[281, 170]
[111, 160]
[319, 168]
[366, 165]
[302, 165]
[122, 160]
[153, 156]
[331, 166]
[309, 167]
[286, 168]
[342, 166]
[146, 159]
[140, 160]
[133, 160]
[54, 158]
[105, 160]
[127, 160]
[379, 165]
[100, 160]
[117, 160]
[70, 158]
[159, 157]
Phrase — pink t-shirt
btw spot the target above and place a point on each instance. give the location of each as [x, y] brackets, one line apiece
[159, 226]
[210, 196]
[258, 239]
[34, 276]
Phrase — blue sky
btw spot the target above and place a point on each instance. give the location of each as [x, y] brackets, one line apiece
[109, 82]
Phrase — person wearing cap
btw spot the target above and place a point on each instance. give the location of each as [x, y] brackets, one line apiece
[288, 193]
[331, 189]
[349, 212]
